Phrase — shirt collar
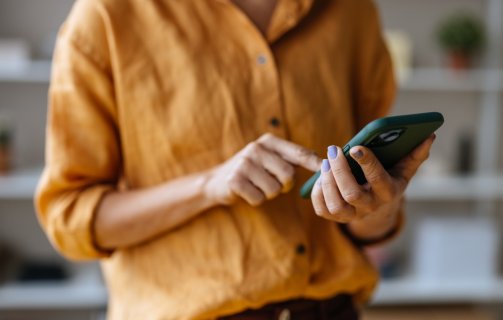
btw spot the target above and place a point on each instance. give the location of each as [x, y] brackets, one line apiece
[287, 14]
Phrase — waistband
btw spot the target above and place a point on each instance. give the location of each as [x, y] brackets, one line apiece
[340, 307]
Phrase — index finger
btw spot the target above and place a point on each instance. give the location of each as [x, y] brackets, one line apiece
[291, 152]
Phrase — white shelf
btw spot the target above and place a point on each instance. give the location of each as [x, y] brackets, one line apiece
[20, 184]
[53, 296]
[415, 291]
[84, 291]
[456, 188]
[37, 71]
[436, 79]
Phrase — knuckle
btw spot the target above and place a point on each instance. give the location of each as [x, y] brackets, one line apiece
[373, 167]
[316, 204]
[285, 173]
[325, 182]
[375, 175]
[338, 170]
[277, 187]
[255, 202]
[274, 190]
[287, 170]
[234, 180]
[252, 148]
[253, 197]
[353, 195]
[318, 211]
[265, 137]
[244, 164]
[336, 208]
[303, 153]
[316, 195]
[345, 218]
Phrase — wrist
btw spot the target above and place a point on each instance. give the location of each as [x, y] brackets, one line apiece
[208, 188]
[377, 225]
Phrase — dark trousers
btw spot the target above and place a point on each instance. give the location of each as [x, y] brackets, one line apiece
[340, 307]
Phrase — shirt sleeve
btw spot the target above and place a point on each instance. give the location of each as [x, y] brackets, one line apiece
[82, 151]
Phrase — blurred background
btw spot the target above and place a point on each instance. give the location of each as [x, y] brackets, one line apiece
[446, 264]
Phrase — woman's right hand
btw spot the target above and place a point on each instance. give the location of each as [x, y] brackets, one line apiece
[259, 172]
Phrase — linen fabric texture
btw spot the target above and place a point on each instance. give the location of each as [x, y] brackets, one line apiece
[145, 91]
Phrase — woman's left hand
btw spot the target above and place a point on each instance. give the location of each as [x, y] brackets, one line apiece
[338, 197]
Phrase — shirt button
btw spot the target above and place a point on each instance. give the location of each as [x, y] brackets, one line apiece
[301, 249]
[275, 122]
[261, 59]
[285, 315]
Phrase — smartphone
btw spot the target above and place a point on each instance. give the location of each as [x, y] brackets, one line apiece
[389, 138]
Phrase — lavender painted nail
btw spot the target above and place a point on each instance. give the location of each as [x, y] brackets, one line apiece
[325, 165]
[332, 152]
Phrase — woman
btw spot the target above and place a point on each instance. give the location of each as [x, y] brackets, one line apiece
[178, 135]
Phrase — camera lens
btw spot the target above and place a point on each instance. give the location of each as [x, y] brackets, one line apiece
[386, 138]
[390, 136]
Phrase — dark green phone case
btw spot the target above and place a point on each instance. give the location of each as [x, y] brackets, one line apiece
[390, 138]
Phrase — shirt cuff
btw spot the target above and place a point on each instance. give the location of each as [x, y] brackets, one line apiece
[70, 223]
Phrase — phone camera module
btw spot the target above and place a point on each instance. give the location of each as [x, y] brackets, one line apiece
[386, 138]
[390, 136]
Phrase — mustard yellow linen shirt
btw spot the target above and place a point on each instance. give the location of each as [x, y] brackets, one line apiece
[144, 91]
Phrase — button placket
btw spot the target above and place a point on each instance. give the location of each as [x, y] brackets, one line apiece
[267, 87]
[274, 122]
[271, 106]
[261, 59]
[300, 249]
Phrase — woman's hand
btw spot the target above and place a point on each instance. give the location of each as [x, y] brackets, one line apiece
[259, 172]
[338, 197]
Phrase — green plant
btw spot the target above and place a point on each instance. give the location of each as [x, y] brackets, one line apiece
[461, 33]
[4, 138]
[5, 134]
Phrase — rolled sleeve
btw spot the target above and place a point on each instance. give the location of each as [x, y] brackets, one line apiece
[83, 160]
[68, 219]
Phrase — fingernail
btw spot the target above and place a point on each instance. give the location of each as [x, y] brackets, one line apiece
[325, 165]
[332, 152]
[357, 154]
